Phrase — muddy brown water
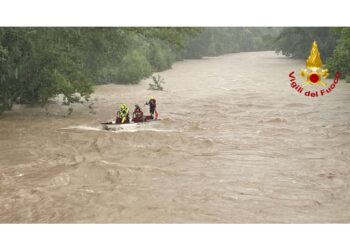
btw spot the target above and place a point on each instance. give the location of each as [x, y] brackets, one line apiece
[236, 144]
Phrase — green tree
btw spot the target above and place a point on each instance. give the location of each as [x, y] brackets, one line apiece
[38, 63]
[340, 61]
[297, 41]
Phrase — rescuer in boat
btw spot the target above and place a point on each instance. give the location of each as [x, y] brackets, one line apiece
[123, 115]
[152, 108]
[137, 115]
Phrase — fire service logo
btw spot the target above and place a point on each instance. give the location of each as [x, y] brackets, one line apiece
[314, 75]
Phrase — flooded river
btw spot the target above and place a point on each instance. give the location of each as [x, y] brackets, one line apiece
[236, 144]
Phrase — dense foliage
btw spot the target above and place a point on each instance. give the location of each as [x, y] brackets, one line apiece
[297, 41]
[39, 63]
[340, 61]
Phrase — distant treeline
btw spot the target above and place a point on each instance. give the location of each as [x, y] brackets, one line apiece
[333, 43]
[218, 41]
[39, 63]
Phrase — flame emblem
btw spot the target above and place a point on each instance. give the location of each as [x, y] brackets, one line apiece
[314, 71]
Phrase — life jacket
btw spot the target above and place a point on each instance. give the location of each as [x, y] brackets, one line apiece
[152, 103]
[123, 115]
[124, 112]
[138, 113]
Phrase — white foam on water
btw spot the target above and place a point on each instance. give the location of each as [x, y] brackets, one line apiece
[140, 129]
[226, 89]
[130, 128]
[83, 127]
